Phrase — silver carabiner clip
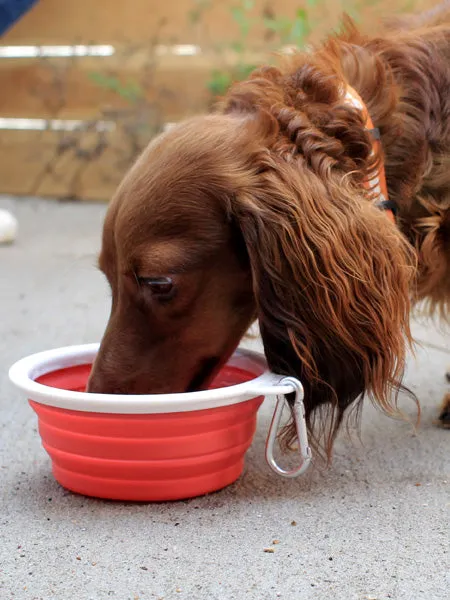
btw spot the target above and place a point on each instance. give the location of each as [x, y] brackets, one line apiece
[298, 411]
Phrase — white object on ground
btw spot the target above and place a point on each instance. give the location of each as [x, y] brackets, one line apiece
[8, 227]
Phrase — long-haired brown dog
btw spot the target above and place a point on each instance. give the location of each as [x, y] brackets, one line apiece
[262, 211]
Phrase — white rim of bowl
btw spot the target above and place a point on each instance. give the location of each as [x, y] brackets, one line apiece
[24, 372]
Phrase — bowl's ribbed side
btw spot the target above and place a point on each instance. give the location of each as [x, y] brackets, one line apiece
[149, 457]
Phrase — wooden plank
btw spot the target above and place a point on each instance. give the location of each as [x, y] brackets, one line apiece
[106, 21]
[22, 157]
[178, 86]
[34, 164]
[40, 88]
[89, 165]
[103, 21]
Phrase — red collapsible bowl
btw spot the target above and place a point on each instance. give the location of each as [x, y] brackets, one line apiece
[142, 448]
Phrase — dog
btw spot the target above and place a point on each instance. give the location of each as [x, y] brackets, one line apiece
[273, 208]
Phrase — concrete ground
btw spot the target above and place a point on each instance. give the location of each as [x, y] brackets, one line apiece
[373, 526]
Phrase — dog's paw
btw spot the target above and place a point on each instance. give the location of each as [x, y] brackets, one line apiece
[444, 415]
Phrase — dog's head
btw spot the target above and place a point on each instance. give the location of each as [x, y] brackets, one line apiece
[177, 265]
[246, 215]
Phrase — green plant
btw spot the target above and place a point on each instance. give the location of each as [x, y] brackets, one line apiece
[130, 90]
[278, 31]
[291, 31]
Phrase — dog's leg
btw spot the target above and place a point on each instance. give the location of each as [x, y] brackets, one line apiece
[444, 414]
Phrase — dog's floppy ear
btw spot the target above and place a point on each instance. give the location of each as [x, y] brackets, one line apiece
[331, 277]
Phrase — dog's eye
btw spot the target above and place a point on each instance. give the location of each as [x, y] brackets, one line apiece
[162, 287]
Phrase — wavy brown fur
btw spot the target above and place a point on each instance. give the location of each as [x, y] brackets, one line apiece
[266, 196]
[332, 279]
